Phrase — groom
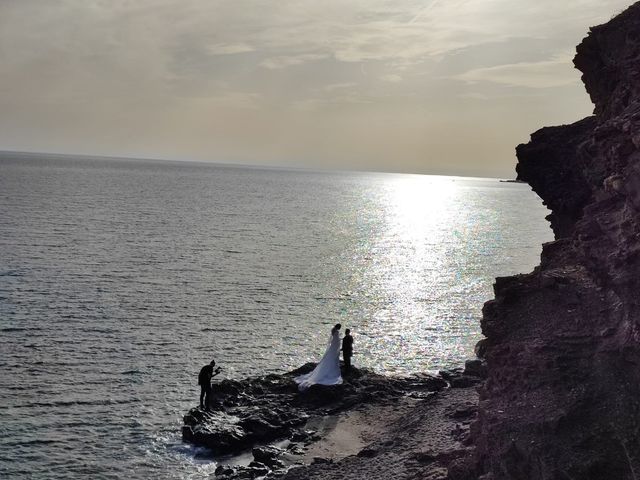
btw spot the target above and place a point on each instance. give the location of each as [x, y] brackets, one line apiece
[347, 350]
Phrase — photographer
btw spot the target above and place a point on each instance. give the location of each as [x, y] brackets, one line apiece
[204, 380]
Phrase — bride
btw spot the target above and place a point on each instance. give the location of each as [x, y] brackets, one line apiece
[327, 372]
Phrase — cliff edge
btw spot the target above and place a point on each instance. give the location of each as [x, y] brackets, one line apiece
[562, 400]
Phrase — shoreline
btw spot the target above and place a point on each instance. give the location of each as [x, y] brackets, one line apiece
[371, 426]
[417, 439]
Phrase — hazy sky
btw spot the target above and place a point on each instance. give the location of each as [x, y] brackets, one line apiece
[433, 86]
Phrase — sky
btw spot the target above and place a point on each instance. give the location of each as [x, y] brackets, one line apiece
[421, 86]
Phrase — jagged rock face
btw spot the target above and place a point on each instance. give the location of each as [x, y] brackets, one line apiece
[562, 400]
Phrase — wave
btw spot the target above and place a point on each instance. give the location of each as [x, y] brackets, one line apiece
[20, 329]
[71, 403]
[37, 441]
[10, 273]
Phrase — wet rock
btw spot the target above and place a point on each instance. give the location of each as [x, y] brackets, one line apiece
[268, 456]
[259, 466]
[261, 428]
[221, 439]
[295, 449]
[254, 470]
[322, 395]
[224, 470]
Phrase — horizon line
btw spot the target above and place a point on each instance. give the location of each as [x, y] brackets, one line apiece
[90, 156]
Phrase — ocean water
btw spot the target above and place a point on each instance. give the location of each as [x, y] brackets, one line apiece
[120, 279]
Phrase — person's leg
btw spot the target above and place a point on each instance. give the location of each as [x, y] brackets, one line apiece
[347, 362]
[202, 392]
[207, 402]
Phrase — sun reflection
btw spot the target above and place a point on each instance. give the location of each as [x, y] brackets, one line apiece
[424, 255]
[418, 219]
[417, 205]
[409, 268]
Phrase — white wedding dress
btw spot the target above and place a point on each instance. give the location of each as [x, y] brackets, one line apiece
[327, 372]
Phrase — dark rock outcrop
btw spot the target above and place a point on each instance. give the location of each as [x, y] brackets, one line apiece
[562, 398]
[259, 410]
[253, 412]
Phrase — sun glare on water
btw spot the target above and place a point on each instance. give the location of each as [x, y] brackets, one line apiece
[417, 206]
[413, 272]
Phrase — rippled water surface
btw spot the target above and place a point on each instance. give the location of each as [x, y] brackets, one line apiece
[119, 280]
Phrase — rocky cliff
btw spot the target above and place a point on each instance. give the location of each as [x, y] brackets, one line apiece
[562, 400]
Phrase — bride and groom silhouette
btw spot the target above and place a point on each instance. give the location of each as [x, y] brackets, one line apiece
[327, 372]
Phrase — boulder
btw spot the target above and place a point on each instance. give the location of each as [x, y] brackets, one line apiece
[267, 455]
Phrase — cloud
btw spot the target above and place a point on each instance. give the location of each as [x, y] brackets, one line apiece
[339, 86]
[242, 100]
[290, 60]
[229, 49]
[276, 80]
[556, 72]
[393, 78]
[474, 96]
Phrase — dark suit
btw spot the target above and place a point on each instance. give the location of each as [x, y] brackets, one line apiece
[347, 351]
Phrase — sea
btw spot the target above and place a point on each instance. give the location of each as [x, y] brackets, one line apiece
[120, 279]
